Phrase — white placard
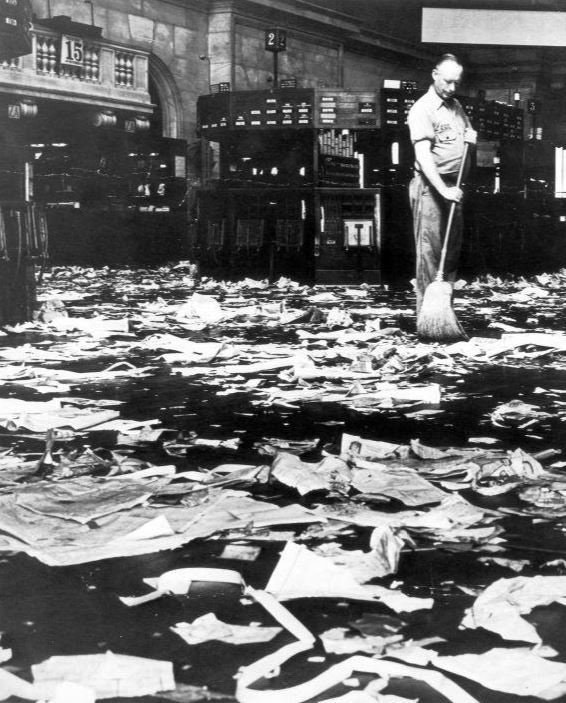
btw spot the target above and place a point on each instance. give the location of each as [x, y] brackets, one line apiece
[72, 51]
[508, 27]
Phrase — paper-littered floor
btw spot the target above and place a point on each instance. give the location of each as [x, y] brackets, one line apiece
[274, 493]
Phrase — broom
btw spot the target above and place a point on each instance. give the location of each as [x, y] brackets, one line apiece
[437, 320]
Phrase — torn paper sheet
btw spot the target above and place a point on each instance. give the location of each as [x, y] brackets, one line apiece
[386, 548]
[62, 542]
[423, 451]
[202, 307]
[330, 473]
[188, 693]
[12, 685]
[95, 326]
[369, 695]
[68, 692]
[370, 448]
[43, 420]
[503, 474]
[134, 436]
[121, 369]
[453, 520]
[109, 675]
[381, 561]
[500, 606]
[405, 485]
[200, 353]
[262, 514]
[240, 552]
[158, 527]
[178, 581]
[516, 565]
[552, 340]
[335, 675]
[513, 671]
[517, 413]
[411, 652]
[84, 499]
[339, 640]
[300, 573]
[209, 627]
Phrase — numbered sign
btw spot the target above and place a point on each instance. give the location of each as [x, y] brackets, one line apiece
[72, 51]
[275, 40]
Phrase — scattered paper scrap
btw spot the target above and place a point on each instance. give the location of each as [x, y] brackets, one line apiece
[109, 675]
[500, 606]
[208, 627]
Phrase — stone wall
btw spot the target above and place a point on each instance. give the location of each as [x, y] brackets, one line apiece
[311, 62]
[368, 72]
[175, 32]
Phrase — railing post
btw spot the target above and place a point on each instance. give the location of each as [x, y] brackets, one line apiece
[141, 72]
[107, 66]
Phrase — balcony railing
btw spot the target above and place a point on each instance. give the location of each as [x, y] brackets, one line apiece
[108, 73]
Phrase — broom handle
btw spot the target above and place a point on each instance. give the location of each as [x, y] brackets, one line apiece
[440, 273]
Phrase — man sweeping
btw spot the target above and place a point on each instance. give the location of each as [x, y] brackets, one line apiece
[439, 130]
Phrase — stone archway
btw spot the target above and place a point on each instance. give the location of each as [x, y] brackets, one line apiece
[169, 98]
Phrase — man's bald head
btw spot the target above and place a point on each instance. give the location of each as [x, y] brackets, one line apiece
[447, 75]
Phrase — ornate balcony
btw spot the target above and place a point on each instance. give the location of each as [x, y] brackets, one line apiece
[86, 70]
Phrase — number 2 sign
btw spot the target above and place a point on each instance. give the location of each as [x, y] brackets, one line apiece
[72, 51]
[275, 40]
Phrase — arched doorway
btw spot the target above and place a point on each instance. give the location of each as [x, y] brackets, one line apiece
[165, 94]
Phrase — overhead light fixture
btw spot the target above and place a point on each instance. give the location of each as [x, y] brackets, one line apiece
[28, 108]
[104, 118]
[142, 123]
[24, 109]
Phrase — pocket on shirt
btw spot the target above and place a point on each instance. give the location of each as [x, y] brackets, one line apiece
[447, 135]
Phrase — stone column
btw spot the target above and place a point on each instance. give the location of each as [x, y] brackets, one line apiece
[221, 42]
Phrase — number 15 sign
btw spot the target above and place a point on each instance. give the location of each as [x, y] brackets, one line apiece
[72, 51]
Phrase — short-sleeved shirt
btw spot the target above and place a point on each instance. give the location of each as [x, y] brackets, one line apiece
[443, 124]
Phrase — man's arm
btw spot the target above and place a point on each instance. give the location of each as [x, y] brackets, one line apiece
[426, 163]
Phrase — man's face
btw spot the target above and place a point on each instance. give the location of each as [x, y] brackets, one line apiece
[446, 79]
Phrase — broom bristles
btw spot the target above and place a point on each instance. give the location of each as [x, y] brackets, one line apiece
[436, 319]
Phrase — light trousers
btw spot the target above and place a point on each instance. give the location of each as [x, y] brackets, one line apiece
[430, 215]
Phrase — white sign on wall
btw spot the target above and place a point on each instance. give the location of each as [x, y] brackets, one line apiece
[504, 27]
